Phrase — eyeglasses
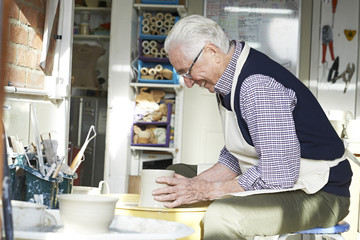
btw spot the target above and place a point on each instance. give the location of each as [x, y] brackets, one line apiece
[187, 74]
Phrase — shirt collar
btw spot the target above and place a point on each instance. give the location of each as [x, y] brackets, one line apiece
[223, 85]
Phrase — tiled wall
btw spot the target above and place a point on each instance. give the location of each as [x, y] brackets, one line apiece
[26, 27]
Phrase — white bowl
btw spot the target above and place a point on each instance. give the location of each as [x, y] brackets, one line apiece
[86, 213]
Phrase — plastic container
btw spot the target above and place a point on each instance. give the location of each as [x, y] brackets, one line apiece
[148, 36]
[165, 125]
[169, 115]
[166, 144]
[27, 184]
[143, 57]
[167, 2]
[174, 80]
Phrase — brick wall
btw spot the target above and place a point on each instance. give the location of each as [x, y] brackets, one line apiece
[26, 27]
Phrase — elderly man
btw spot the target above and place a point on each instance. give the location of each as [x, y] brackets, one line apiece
[282, 158]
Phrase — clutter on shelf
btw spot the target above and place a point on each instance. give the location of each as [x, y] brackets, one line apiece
[152, 118]
[156, 25]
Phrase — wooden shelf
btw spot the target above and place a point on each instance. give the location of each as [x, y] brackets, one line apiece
[176, 87]
[180, 9]
[91, 37]
[159, 149]
[92, 9]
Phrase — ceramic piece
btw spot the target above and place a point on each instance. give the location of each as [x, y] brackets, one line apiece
[27, 215]
[87, 214]
[102, 189]
[148, 185]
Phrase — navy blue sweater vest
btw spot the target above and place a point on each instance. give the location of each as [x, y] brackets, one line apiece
[318, 139]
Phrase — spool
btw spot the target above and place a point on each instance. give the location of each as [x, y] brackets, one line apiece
[152, 20]
[159, 23]
[160, 16]
[145, 29]
[158, 68]
[153, 51]
[167, 73]
[156, 32]
[173, 19]
[162, 51]
[144, 71]
[167, 23]
[163, 31]
[147, 15]
[167, 16]
[147, 77]
[152, 71]
[145, 44]
[145, 22]
[159, 77]
[153, 28]
[146, 51]
[153, 44]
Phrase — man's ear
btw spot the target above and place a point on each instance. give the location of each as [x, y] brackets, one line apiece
[213, 50]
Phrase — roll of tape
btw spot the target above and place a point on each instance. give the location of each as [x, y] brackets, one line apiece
[145, 44]
[144, 71]
[158, 55]
[162, 51]
[160, 16]
[153, 51]
[145, 21]
[163, 31]
[153, 43]
[146, 51]
[158, 68]
[159, 23]
[147, 15]
[159, 77]
[167, 23]
[145, 29]
[153, 28]
[152, 71]
[168, 16]
[156, 32]
[173, 20]
[152, 20]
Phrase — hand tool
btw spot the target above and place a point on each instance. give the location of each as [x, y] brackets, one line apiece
[327, 38]
[334, 71]
[334, 3]
[346, 75]
[80, 156]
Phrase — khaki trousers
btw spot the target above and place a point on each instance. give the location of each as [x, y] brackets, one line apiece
[272, 214]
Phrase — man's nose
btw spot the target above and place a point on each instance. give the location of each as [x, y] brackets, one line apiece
[188, 82]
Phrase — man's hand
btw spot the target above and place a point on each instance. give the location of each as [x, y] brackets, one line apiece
[183, 190]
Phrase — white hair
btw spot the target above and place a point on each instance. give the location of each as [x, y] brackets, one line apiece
[193, 32]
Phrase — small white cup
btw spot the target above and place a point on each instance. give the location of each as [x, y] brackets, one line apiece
[353, 130]
[148, 185]
[27, 215]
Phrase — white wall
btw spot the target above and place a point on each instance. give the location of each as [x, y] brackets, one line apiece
[120, 106]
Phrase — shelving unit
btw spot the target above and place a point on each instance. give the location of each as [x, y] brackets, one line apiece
[141, 154]
[101, 14]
